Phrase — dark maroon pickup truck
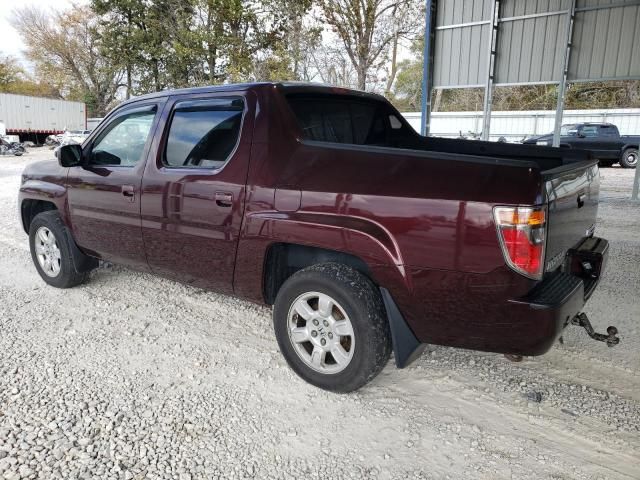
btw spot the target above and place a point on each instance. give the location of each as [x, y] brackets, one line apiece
[366, 237]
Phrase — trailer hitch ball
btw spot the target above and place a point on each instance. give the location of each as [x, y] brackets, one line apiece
[610, 338]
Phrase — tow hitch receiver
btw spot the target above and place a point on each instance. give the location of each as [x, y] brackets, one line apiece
[610, 339]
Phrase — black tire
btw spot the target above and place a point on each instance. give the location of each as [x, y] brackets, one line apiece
[67, 276]
[362, 303]
[629, 158]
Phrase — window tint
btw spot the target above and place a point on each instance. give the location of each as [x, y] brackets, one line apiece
[350, 120]
[590, 131]
[124, 140]
[203, 133]
[608, 131]
[568, 130]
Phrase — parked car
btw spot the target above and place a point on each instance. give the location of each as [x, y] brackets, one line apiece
[72, 136]
[603, 140]
[366, 237]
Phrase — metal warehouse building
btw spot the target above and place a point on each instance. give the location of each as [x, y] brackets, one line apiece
[488, 43]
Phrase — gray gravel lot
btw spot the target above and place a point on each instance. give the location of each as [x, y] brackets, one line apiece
[131, 376]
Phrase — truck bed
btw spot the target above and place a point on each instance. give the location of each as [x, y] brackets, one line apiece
[546, 158]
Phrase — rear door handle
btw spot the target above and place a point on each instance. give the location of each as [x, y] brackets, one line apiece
[224, 199]
[129, 192]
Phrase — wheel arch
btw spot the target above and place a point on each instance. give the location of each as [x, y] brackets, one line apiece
[301, 239]
[282, 260]
[30, 207]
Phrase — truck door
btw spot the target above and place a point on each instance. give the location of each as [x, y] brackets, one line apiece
[610, 143]
[193, 191]
[104, 193]
[590, 139]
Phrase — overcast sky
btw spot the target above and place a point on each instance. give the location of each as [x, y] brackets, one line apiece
[10, 43]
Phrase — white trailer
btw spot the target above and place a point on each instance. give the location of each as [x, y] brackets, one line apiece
[32, 117]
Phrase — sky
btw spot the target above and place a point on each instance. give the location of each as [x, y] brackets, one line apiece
[10, 43]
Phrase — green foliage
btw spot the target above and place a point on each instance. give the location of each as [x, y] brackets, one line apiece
[178, 43]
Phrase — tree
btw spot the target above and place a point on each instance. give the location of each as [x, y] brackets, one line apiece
[13, 79]
[122, 28]
[407, 94]
[367, 28]
[66, 48]
[10, 71]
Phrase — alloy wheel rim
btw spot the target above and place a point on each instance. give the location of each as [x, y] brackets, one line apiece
[48, 252]
[632, 158]
[321, 332]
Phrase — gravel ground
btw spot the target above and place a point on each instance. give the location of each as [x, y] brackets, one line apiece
[132, 376]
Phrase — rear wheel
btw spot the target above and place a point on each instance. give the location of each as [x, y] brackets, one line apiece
[629, 158]
[331, 327]
[51, 253]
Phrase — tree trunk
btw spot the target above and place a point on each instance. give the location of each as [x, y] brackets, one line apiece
[394, 66]
[362, 76]
[129, 81]
[437, 100]
[156, 74]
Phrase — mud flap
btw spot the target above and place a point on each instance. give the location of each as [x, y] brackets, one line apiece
[406, 347]
[81, 262]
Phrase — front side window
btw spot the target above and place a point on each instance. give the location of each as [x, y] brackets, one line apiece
[203, 133]
[122, 143]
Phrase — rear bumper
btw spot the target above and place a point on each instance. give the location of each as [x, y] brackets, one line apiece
[549, 307]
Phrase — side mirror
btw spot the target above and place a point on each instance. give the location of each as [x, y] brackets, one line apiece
[69, 155]
[581, 135]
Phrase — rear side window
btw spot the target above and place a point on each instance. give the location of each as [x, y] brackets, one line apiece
[590, 131]
[350, 120]
[608, 131]
[203, 133]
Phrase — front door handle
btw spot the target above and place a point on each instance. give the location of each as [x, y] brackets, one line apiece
[581, 199]
[129, 192]
[224, 199]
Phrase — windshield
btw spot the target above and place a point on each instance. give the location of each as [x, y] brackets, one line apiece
[568, 130]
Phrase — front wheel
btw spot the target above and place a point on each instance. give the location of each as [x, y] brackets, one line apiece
[629, 158]
[51, 251]
[331, 327]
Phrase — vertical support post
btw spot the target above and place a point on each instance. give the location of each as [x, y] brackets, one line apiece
[562, 85]
[636, 184]
[491, 61]
[427, 66]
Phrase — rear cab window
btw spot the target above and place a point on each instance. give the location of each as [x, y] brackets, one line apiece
[203, 133]
[346, 119]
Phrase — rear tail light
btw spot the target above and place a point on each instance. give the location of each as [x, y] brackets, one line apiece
[522, 232]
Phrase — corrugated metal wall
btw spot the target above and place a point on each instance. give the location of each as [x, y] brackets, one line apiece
[24, 113]
[606, 41]
[459, 53]
[531, 48]
[532, 40]
[515, 125]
